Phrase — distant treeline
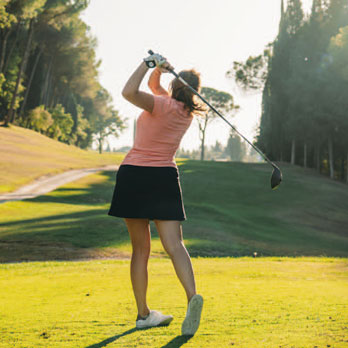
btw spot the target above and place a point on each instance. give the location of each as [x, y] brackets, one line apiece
[304, 78]
[48, 73]
[235, 150]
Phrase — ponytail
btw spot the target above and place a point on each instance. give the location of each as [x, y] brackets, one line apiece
[183, 94]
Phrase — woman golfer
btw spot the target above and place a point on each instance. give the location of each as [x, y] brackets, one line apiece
[148, 185]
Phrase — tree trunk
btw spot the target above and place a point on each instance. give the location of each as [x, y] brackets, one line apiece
[100, 145]
[202, 147]
[293, 148]
[343, 174]
[49, 89]
[318, 157]
[347, 167]
[8, 59]
[65, 97]
[305, 155]
[202, 133]
[10, 114]
[29, 83]
[45, 84]
[331, 161]
[3, 49]
[50, 103]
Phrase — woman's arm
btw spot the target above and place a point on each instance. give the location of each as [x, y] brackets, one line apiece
[154, 83]
[131, 90]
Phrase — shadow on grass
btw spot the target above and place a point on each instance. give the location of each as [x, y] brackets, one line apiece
[65, 230]
[176, 342]
[112, 339]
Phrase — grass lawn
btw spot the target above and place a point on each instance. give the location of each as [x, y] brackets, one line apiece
[269, 301]
[230, 207]
[27, 155]
[250, 303]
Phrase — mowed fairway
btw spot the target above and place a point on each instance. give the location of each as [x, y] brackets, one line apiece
[262, 302]
[272, 300]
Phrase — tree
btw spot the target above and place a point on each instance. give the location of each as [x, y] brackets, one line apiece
[107, 126]
[338, 70]
[48, 60]
[106, 120]
[252, 74]
[221, 101]
[304, 83]
[62, 124]
[40, 119]
[28, 11]
[236, 148]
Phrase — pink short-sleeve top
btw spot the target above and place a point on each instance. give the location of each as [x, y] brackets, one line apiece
[158, 134]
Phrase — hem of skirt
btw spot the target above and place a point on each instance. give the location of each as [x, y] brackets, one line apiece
[147, 217]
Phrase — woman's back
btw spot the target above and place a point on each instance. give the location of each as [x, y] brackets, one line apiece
[158, 134]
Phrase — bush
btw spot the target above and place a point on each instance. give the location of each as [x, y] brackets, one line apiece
[40, 119]
[62, 124]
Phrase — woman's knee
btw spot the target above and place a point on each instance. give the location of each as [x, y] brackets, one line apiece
[173, 248]
[171, 235]
[142, 248]
[141, 253]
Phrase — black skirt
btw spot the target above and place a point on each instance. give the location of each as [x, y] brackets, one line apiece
[147, 193]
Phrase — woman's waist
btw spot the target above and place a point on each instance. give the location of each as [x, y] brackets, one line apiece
[149, 159]
[157, 152]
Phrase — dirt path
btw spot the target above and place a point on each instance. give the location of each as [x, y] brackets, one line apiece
[48, 183]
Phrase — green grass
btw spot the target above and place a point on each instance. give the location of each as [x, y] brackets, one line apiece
[27, 155]
[268, 302]
[230, 207]
[249, 303]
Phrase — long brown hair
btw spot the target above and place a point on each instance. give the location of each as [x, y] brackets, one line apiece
[182, 93]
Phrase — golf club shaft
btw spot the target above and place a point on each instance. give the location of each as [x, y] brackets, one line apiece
[217, 112]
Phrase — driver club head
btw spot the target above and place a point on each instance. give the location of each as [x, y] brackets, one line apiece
[276, 177]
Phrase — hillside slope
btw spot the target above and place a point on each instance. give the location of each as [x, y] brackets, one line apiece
[26, 155]
[231, 206]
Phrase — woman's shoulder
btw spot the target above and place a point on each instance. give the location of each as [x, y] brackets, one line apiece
[166, 104]
[180, 108]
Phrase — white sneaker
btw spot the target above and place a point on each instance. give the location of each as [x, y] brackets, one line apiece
[155, 318]
[193, 316]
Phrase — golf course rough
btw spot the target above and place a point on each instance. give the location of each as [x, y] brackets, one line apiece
[249, 302]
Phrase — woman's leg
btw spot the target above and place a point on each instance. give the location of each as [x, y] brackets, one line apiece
[139, 231]
[170, 233]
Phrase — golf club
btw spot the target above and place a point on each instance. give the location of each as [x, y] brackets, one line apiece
[277, 176]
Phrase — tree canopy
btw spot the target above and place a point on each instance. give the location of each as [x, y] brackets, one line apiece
[303, 75]
[48, 69]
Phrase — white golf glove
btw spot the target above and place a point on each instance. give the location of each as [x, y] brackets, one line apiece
[154, 60]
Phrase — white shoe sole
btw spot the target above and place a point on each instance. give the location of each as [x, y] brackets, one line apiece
[191, 322]
[165, 322]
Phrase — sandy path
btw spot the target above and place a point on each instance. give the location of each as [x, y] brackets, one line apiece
[49, 183]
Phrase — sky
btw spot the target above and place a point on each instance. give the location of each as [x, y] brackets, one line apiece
[203, 34]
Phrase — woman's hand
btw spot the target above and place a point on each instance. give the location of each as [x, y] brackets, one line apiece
[165, 67]
[158, 61]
